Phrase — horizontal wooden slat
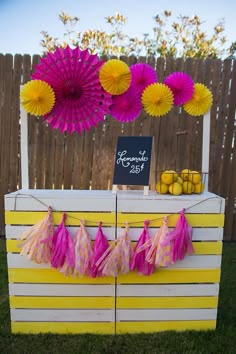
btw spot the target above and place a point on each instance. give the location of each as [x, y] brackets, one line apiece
[89, 200]
[52, 276]
[73, 218]
[182, 302]
[174, 276]
[15, 260]
[14, 232]
[61, 290]
[195, 220]
[63, 327]
[64, 200]
[166, 290]
[134, 201]
[199, 233]
[200, 248]
[207, 247]
[157, 326]
[160, 276]
[59, 315]
[109, 290]
[165, 314]
[62, 302]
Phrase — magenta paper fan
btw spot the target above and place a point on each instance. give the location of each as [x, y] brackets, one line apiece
[142, 75]
[80, 101]
[182, 87]
[126, 107]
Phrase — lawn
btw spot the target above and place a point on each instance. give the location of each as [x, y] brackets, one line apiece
[222, 340]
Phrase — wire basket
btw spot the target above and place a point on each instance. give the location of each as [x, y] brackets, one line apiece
[180, 182]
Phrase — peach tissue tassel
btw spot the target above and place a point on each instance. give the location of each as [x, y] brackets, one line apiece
[160, 252]
[119, 257]
[36, 242]
[83, 251]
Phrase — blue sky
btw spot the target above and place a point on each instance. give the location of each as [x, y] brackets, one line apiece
[21, 21]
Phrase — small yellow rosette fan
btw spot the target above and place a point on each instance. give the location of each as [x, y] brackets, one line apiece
[115, 76]
[37, 97]
[157, 99]
[201, 101]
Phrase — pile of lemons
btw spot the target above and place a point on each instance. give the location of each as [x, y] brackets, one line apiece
[185, 182]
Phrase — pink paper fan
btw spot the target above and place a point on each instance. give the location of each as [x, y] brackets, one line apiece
[126, 107]
[142, 76]
[81, 101]
[182, 86]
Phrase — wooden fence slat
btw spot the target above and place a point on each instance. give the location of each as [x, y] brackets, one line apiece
[5, 132]
[14, 142]
[87, 158]
[222, 123]
[215, 89]
[59, 160]
[77, 161]
[68, 160]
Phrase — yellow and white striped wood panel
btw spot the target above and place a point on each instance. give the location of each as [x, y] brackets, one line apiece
[42, 299]
[185, 295]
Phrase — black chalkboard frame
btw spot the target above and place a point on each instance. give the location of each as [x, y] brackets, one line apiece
[133, 162]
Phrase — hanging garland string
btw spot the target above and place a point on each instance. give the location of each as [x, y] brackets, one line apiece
[119, 223]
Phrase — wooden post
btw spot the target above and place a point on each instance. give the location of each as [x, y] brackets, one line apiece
[24, 148]
[206, 147]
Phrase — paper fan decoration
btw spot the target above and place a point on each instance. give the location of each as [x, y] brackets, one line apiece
[80, 100]
[115, 76]
[157, 99]
[126, 107]
[201, 101]
[37, 97]
[181, 85]
[143, 75]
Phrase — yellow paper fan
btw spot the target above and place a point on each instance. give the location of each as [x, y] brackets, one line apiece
[201, 101]
[115, 76]
[157, 99]
[37, 97]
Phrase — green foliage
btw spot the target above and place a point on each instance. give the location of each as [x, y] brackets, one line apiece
[183, 37]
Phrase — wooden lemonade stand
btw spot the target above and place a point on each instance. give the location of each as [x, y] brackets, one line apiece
[183, 296]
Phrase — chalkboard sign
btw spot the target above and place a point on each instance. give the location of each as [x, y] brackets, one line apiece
[132, 162]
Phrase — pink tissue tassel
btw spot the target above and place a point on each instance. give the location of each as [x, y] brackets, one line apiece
[138, 261]
[63, 252]
[101, 245]
[181, 237]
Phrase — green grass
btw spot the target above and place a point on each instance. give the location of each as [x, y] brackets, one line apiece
[222, 340]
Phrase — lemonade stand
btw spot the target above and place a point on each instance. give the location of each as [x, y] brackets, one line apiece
[127, 261]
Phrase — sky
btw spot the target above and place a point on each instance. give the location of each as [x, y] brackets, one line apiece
[21, 21]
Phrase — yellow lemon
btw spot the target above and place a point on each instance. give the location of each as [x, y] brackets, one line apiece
[199, 188]
[175, 174]
[195, 177]
[167, 177]
[185, 174]
[161, 188]
[179, 180]
[188, 187]
[175, 188]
